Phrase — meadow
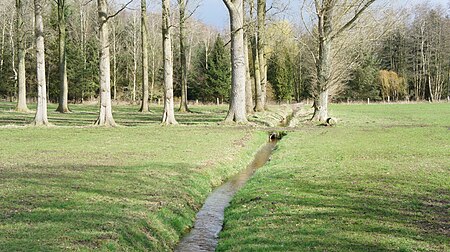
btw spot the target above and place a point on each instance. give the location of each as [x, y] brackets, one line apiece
[124, 188]
[379, 181]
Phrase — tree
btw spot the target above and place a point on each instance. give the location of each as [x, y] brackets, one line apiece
[333, 18]
[248, 78]
[144, 44]
[364, 80]
[183, 56]
[218, 73]
[237, 112]
[105, 117]
[63, 85]
[280, 75]
[261, 47]
[169, 113]
[21, 53]
[392, 85]
[41, 110]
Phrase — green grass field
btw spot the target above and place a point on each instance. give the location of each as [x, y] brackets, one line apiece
[125, 188]
[379, 181]
[125, 115]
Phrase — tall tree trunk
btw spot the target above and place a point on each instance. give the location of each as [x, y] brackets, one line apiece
[237, 112]
[135, 59]
[114, 77]
[259, 102]
[3, 46]
[13, 55]
[83, 47]
[323, 66]
[41, 110]
[248, 79]
[22, 94]
[144, 44]
[152, 86]
[261, 44]
[169, 113]
[63, 85]
[105, 117]
[183, 58]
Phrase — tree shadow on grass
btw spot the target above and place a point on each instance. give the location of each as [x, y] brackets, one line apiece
[336, 216]
[93, 207]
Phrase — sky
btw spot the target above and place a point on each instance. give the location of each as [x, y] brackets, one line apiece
[214, 12]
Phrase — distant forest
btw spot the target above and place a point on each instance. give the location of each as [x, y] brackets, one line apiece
[393, 53]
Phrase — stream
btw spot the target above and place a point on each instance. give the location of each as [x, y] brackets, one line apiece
[204, 236]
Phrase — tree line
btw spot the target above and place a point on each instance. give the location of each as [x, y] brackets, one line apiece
[339, 50]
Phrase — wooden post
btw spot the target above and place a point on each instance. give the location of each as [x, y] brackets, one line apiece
[368, 100]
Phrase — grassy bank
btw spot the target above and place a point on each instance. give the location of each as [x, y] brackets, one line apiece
[135, 188]
[380, 181]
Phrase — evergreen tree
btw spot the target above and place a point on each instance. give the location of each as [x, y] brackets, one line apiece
[280, 75]
[364, 81]
[218, 75]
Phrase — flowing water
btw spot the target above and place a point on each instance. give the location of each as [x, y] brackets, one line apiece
[209, 220]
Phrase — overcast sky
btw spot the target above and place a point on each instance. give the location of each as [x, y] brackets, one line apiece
[214, 12]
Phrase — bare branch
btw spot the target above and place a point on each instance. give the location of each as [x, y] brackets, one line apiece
[355, 17]
[120, 10]
[88, 2]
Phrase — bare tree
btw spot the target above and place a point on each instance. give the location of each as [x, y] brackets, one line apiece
[105, 117]
[63, 85]
[135, 56]
[261, 47]
[21, 53]
[183, 56]
[144, 44]
[41, 111]
[248, 79]
[237, 111]
[333, 18]
[169, 113]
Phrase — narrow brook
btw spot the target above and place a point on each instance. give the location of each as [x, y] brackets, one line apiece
[209, 220]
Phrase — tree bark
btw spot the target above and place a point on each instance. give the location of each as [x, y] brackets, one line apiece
[144, 44]
[237, 111]
[323, 66]
[259, 103]
[169, 113]
[327, 33]
[114, 58]
[63, 85]
[21, 52]
[41, 111]
[105, 117]
[261, 47]
[3, 46]
[248, 79]
[135, 57]
[183, 56]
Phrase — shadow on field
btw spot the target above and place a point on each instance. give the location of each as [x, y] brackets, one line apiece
[325, 219]
[90, 207]
[123, 115]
